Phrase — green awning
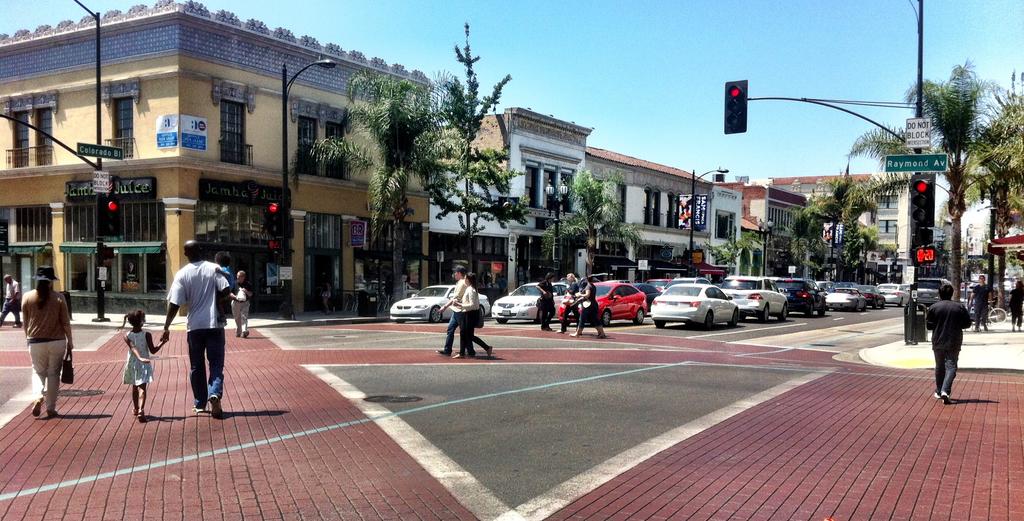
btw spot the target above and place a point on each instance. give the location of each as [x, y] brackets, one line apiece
[28, 248]
[119, 247]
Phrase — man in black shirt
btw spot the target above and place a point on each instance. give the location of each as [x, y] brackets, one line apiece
[946, 320]
[979, 303]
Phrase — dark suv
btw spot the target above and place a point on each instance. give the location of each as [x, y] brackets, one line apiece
[928, 290]
[803, 295]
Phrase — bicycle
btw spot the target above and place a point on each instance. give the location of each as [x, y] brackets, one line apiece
[996, 315]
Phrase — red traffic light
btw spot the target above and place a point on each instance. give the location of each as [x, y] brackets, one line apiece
[273, 208]
[735, 92]
[112, 206]
[921, 187]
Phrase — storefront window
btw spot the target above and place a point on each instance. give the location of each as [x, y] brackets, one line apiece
[228, 223]
[33, 224]
[130, 273]
[156, 272]
[79, 269]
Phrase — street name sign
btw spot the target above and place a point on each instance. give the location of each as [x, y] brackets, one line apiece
[100, 151]
[919, 133]
[101, 182]
[917, 163]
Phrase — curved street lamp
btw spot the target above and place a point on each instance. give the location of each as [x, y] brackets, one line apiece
[287, 309]
[693, 214]
[766, 232]
[563, 191]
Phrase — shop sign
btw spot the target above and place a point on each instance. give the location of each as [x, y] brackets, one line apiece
[193, 132]
[4, 236]
[125, 188]
[167, 131]
[700, 212]
[245, 192]
[357, 234]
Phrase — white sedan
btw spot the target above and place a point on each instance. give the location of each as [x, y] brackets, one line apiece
[846, 299]
[895, 294]
[695, 304]
[521, 304]
[426, 305]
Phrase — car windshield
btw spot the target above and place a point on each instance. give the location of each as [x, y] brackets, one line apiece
[602, 290]
[849, 291]
[526, 291]
[928, 284]
[433, 291]
[888, 287]
[682, 291]
[867, 289]
[658, 283]
[742, 284]
[790, 285]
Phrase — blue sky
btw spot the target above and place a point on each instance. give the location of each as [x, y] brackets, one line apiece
[648, 76]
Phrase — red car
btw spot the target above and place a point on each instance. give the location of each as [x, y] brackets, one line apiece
[617, 301]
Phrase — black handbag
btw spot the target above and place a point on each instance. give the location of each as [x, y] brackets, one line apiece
[67, 371]
[479, 318]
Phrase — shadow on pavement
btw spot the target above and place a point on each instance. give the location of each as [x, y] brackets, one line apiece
[243, 414]
[972, 400]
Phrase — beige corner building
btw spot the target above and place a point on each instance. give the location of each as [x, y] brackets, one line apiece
[193, 99]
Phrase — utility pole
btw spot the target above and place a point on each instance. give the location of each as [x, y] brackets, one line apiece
[909, 337]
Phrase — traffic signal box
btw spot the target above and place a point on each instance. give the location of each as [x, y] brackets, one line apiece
[273, 225]
[109, 219]
[922, 218]
[735, 107]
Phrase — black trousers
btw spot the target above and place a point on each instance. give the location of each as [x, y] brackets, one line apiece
[574, 311]
[467, 333]
[547, 313]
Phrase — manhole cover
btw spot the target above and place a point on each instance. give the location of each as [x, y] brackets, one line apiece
[392, 398]
[70, 393]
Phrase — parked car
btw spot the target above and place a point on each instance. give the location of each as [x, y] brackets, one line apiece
[694, 304]
[825, 285]
[650, 290]
[618, 301]
[928, 290]
[521, 304]
[661, 284]
[426, 305]
[757, 296]
[803, 295]
[895, 294]
[875, 299]
[689, 280]
[846, 299]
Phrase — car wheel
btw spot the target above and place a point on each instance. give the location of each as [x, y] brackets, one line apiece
[810, 311]
[501, 320]
[735, 320]
[785, 312]
[434, 315]
[606, 318]
[709, 321]
[821, 312]
[765, 313]
[660, 324]
[399, 321]
[639, 318]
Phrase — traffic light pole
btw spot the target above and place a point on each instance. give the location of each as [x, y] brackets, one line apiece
[909, 336]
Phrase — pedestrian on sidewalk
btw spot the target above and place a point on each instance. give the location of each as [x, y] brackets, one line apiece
[980, 293]
[947, 321]
[138, 368]
[571, 301]
[240, 305]
[48, 333]
[459, 274]
[205, 288]
[1016, 303]
[471, 318]
[588, 310]
[12, 301]
[546, 302]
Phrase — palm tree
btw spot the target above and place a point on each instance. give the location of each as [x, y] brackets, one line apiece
[596, 214]
[399, 119]
[955, 108]
[805, 237]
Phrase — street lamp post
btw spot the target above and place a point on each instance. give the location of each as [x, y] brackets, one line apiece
[562, 191]
[766, 233]
[693, 213]
[287, 309]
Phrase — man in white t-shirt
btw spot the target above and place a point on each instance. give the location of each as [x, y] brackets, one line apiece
[204, 287]
[12, 301]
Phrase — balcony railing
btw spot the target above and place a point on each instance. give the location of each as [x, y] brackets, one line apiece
[126, 144]
[307, 165]
[41, 155]
[235, 153]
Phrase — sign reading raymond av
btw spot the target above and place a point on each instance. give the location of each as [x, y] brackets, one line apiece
[126, 188]
[245, 192]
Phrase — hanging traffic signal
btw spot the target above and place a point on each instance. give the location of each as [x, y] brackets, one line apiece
[273, 220]
[108, 218]
[735, 107]
[922, 208]
[925, 256]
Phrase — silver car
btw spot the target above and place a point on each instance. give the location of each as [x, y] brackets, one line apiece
[695, 304]
[427, 304]
[895, 294]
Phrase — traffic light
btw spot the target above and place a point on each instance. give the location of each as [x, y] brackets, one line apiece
[273, 220]
[108, 217]
[922, 208]
[925, 256]
[735, 107]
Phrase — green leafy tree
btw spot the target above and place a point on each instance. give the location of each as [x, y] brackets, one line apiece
[805, 244]
[596, 215]
[956, 109]
[478, 180]
[730, 251]
[398, 117]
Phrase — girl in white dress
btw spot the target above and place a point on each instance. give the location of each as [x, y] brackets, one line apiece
[138, 369]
